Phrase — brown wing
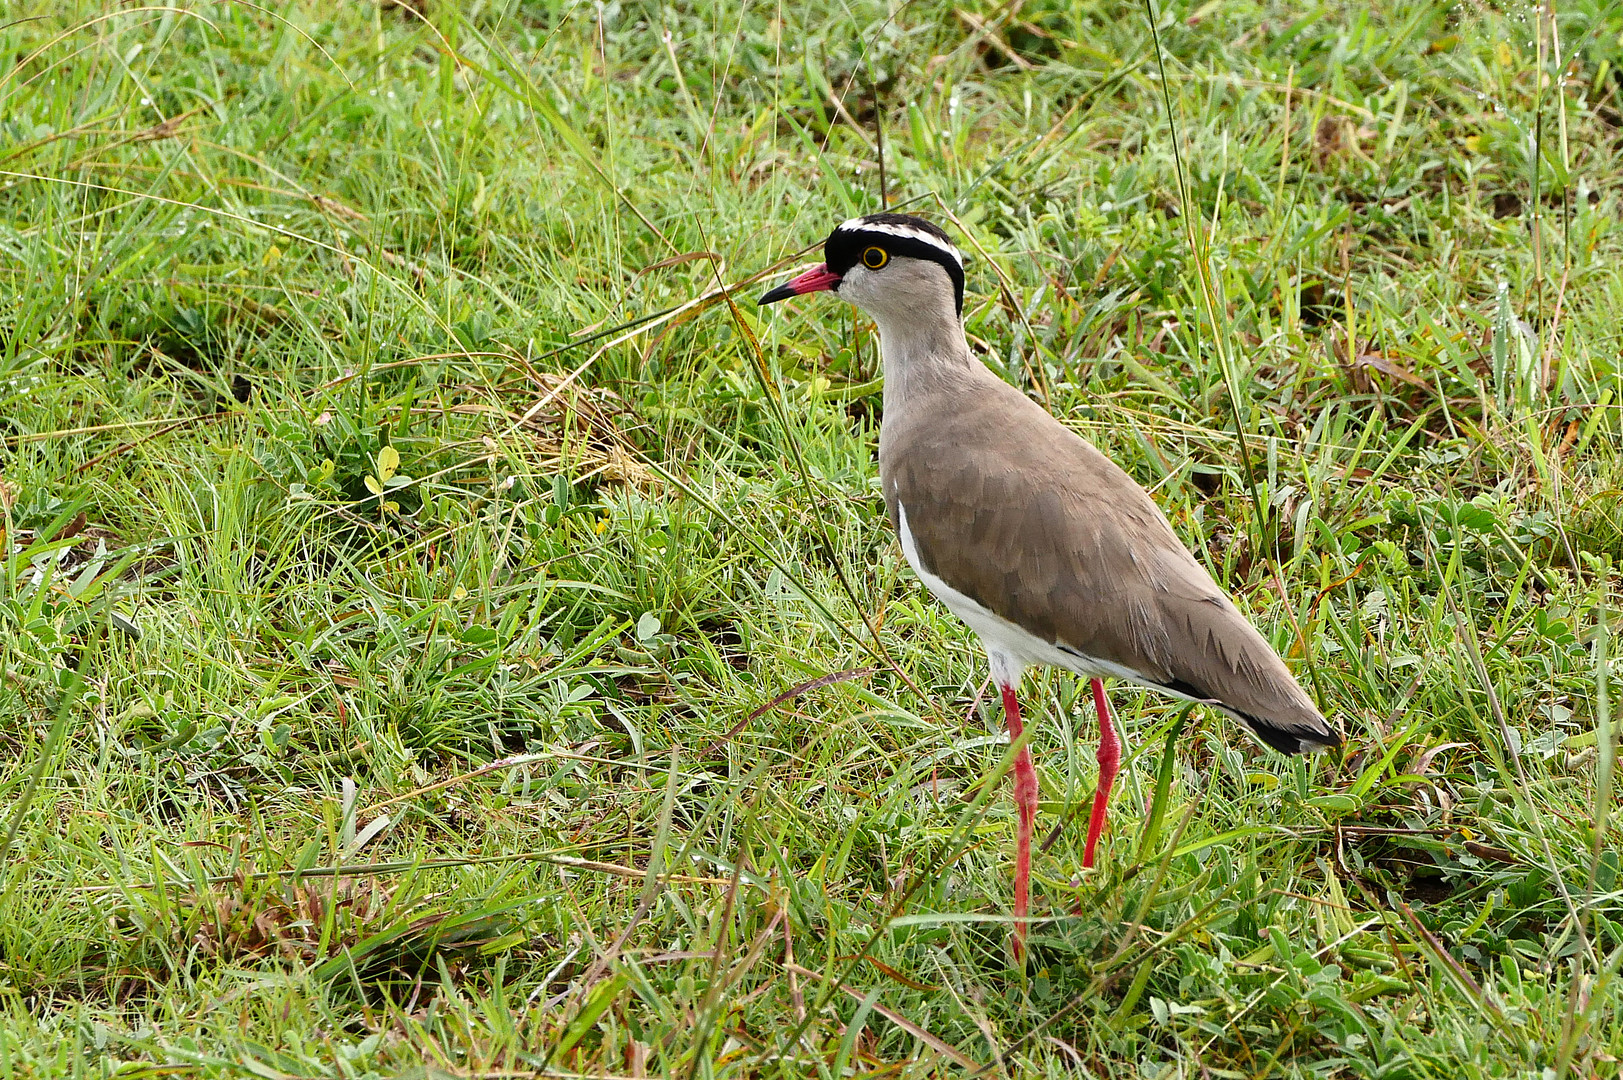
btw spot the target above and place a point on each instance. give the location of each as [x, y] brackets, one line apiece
[1034, 523]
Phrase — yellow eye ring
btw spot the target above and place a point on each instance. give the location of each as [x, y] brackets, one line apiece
[875, 258]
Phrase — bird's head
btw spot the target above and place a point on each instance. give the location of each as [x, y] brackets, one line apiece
[893, 266]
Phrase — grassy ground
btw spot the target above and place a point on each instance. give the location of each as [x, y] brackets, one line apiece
[395, 674]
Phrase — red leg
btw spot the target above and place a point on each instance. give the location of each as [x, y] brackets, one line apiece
[1025, 800]
[1109, 760]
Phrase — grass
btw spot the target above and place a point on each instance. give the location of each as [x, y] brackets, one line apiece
[410, 666]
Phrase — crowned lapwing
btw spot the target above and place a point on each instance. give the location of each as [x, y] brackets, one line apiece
[1049, 551]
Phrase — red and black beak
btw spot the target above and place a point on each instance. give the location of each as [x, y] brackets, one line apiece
[821, 279]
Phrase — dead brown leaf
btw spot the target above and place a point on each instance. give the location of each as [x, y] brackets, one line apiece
[252, 919]
[1383, 363]
[337, 209]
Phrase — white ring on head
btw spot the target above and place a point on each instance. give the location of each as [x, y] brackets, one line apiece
[906, 231]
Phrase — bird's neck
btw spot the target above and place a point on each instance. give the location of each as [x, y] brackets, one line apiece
[925, 356]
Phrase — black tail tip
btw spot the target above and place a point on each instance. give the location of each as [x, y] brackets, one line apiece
[1294, 740]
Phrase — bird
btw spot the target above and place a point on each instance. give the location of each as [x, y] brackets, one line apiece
[1049, 551]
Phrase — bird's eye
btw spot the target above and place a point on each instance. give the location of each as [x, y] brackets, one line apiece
[875, 258]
